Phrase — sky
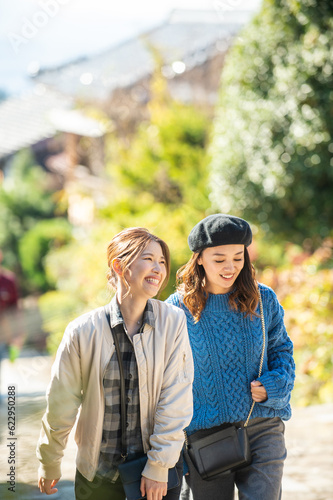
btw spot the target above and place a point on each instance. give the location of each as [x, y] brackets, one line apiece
[46, 33]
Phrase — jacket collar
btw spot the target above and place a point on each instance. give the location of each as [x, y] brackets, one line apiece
[117, 319]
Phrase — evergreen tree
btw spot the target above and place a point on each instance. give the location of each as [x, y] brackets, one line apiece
[272, 147]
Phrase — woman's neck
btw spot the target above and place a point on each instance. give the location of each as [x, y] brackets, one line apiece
[132, 310]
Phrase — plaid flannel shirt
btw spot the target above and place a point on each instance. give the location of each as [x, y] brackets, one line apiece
[110, 452]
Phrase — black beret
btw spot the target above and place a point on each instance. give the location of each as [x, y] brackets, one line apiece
[219, 229]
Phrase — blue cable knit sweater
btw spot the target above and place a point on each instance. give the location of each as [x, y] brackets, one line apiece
[226, 350]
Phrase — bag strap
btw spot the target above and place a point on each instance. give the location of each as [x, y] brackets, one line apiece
[260, 365]
[262, 352]
[122, 389]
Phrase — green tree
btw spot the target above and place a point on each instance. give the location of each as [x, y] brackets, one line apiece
[166, 158]
[35, 244]
[272, 143]
[25, 199]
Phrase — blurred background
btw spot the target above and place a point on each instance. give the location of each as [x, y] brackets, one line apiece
[158, 114]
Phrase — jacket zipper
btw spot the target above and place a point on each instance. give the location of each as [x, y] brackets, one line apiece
[184, 365]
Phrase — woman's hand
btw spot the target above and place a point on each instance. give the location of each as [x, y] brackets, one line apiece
[47, 485]
[258, 391]
[154, 490]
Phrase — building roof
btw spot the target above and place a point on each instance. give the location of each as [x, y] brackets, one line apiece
[39, 115]
[189, 37]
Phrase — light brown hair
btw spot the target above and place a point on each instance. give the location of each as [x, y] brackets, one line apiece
[127, 246]
[191, 284]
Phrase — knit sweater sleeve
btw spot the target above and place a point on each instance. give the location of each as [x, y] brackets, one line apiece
[278, 378]
[174, 299]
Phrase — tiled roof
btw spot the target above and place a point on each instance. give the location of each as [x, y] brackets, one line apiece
[188, 36]
[26, 120]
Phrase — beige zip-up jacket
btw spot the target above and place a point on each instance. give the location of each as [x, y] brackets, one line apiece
[165, 369]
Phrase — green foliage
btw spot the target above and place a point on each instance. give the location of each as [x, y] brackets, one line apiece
[305, 289]
[58, 308]
[273, 138]
[13, 352]
[34, 246]
[166, 159]
[25, 198]
[79, 271]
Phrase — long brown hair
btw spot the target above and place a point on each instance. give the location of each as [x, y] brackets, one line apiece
[191, 284]
[127, 246]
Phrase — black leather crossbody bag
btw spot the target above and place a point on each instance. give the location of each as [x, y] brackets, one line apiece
[224, 448]
[131, 470]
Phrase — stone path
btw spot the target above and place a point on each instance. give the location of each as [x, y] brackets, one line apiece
[309, 435]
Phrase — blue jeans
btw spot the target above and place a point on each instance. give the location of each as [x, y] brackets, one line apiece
[259, 481]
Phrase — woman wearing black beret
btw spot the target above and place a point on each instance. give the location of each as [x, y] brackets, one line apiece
[235, 326]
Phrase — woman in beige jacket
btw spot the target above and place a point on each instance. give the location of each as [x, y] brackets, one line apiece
[158, 370]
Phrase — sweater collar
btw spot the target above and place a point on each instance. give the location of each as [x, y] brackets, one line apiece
[218, 302]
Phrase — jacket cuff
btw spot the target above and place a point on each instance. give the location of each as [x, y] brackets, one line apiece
[49, 471]
[155, 472]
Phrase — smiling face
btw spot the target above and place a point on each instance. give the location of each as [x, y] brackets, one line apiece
[222, 265]
[147, 272]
